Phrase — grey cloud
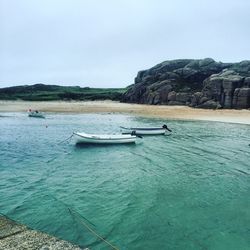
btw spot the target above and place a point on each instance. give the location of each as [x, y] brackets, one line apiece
[104, 43]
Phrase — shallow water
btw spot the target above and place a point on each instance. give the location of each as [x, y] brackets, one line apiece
[189, 190]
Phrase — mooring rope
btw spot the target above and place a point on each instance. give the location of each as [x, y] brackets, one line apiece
[96, 234]
[66, 139]
[72, 211]
[67, 207]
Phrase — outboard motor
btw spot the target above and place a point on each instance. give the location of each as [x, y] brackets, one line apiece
[133, 132]
[166, 127]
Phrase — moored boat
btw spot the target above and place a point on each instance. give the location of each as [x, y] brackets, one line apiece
[104, 139]
[35, 114]
[149, 131]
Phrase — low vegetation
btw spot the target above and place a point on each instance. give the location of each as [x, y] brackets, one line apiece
[42, 92]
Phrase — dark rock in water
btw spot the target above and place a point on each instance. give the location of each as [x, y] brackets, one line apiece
[197, 83]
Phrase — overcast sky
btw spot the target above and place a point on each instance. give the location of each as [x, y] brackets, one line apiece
[104, 43]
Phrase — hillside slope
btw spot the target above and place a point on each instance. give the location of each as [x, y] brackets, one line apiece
[42, 92]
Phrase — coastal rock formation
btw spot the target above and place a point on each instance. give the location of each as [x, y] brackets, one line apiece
[198, 83]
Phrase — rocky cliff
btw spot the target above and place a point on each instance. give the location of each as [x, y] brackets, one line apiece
[198, 83]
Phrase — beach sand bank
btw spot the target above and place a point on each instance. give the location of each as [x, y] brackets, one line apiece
[166, 112]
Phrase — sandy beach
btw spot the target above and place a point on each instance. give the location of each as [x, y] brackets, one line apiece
[167, 112]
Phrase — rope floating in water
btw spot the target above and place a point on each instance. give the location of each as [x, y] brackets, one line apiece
[92, 231]
[66, 139]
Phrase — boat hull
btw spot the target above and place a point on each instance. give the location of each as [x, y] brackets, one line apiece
[104, 139]
[36, 115]
[138, 131]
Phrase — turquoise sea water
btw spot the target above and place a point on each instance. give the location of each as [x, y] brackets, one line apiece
[189, 190]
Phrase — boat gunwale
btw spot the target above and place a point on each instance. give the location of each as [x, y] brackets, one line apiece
[146, 129]
[95, 137]
[36, 116]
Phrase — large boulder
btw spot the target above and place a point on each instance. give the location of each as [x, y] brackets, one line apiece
[183, 98]
[171, 96]
[198, 83]
[247, 82]
[241, 98]
[180, 74]
[210, 104]
[195, 99]
[220, 87]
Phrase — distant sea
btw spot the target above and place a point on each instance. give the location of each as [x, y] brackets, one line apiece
[187, 190]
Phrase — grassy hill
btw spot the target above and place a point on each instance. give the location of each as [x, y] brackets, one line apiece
[42, 92]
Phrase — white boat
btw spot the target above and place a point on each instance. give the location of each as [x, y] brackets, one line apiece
[149, 131]
[36, 114]
[104, 139]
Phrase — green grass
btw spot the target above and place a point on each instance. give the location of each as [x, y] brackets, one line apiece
[41, 92]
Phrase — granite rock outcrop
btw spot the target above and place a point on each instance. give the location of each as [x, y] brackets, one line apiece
[201, 83]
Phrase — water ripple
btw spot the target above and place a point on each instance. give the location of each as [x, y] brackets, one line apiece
[189, 190]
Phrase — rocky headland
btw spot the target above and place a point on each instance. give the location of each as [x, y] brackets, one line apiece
[196, 83]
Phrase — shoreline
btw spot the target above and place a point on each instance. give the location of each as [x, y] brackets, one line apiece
[154, 111]
[18, 236]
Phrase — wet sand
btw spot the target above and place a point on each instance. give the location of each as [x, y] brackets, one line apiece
[167, 112]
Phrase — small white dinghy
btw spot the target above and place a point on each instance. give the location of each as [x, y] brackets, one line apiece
[149, 131]
[104, 139]
[35, 114]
